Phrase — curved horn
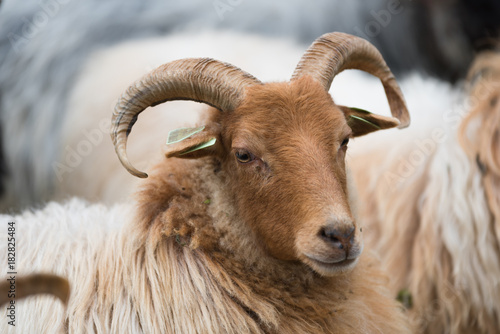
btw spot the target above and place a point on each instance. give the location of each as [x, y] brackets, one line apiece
[332, 53]
[204, 80]
[37, 284]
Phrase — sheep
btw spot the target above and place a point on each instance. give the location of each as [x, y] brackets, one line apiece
[431, 209]
[44, 47]
[245, 226]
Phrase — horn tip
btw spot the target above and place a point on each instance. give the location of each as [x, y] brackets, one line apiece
[137, 173]
[404, 123]
[131, 169]
[143, 175]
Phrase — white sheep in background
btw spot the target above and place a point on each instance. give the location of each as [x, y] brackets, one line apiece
[432, 206]
[96, 174]
[245, 228]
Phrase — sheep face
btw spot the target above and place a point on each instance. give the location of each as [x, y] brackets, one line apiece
[284, 149]
[282, 145]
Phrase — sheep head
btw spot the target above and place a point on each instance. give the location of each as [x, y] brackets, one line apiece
[281, 144]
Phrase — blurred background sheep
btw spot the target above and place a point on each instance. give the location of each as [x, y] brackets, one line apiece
[50, 49]
[431, 206]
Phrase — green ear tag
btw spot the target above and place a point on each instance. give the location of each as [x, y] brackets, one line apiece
[201, 146]
[366, 121]
[178, 135]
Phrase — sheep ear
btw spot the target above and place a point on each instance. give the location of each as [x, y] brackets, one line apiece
[192, 143]
[363, 122]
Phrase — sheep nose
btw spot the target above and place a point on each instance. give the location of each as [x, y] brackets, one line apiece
[338, 237]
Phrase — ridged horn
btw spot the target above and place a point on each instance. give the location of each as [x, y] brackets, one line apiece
[204, 80]
[334, 52]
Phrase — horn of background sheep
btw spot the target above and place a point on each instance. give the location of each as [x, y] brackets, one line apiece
[204, 80]
[332, 53]
[36, 284]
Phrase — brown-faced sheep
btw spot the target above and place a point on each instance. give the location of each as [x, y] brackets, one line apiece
[246, 227]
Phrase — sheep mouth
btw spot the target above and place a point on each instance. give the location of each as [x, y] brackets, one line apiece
[344, 262]
[332, 266]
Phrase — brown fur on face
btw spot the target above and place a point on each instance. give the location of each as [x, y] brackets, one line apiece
[283, 151]
[227, 274]
[297, 182]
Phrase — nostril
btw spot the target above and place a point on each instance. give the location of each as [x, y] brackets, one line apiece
[329, 235]
[338, 237]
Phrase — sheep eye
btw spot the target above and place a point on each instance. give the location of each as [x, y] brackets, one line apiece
[243, 156]
[345, 142]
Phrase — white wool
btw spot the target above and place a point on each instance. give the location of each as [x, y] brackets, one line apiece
[109, 72]
[64, 239]
[463, 220]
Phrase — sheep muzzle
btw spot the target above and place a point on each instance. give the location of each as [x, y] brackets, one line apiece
[333, 247]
